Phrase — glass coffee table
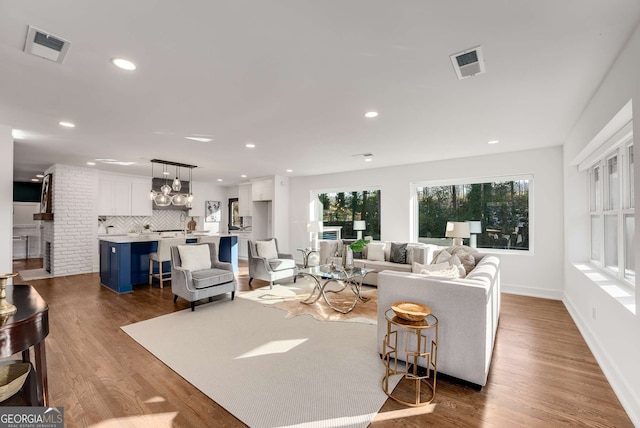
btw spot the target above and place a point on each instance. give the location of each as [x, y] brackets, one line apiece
[324, 275]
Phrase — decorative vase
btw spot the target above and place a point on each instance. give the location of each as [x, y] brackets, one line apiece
[6, 308]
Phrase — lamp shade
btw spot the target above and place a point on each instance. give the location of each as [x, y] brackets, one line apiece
[314, 226]
[475, 226]
[359, 225]
[457, 229]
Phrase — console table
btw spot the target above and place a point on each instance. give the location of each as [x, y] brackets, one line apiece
[27, 329]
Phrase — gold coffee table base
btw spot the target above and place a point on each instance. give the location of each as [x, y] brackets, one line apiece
[417, 348]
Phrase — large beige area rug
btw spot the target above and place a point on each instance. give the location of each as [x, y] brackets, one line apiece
[289, 297]
[270, 371]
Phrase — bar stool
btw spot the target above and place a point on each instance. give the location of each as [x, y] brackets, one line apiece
[163, 254]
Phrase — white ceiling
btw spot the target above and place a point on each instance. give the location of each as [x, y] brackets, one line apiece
[296, 76]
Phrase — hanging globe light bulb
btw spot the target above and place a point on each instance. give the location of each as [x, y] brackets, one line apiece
[176, 185]
[163, 200]
[179, 199]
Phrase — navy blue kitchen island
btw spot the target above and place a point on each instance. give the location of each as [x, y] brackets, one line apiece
[124, 260]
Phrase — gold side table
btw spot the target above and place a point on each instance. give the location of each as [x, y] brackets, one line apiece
[420, 346]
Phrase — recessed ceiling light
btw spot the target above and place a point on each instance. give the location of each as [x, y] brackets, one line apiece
[250, 145]
[493, 142]
[35, 180]
[289, 170]
[201, 139]
[91, 163]
[368, 159]
[371, 114]
[40, 175]
[243, 176]
[17, 134]
[219, 179]
[123, 64]
[67, 124]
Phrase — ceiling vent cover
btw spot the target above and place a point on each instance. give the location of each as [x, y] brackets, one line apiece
[45, 45]
[468, 63]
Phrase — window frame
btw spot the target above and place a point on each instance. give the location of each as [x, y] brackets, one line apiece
[477, 180]
[602, 209]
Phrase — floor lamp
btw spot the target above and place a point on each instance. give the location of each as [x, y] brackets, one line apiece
[359, 226]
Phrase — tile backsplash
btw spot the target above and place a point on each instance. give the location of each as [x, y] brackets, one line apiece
[160, 220]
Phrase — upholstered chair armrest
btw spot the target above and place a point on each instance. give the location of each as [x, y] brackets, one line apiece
[182, 277]
[223, 265]
[261, 265]
[284, 256]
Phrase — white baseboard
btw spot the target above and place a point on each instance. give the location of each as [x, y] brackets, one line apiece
[531, 292]
[629, 400]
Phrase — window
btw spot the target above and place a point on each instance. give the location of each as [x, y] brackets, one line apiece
[341, 209]
[612, 210]
[501, 207]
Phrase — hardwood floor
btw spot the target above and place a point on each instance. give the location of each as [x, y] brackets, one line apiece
[542, 373]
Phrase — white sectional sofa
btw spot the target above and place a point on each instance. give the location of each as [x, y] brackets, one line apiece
[467, 310]
[330, 251]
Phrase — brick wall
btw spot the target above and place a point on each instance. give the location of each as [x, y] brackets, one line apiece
[73, 232]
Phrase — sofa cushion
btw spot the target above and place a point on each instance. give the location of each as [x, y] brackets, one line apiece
[281, 264]
[211, 277]
[398, 252]
[194, 257]
[375, 251]
[465, 254]
[441, 256]
[382, 265]
[267, 249]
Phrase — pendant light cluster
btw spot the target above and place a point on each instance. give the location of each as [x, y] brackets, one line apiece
[164, 198]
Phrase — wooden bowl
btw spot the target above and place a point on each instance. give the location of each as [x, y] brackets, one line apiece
[411, 311]
[12, 377]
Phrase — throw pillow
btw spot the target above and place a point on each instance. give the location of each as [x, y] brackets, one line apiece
[195, 257]
[418, 267]
[398, 253]
[267, 249]
[440, 256]
[455, 261]
[375, 251]
[465, 254]
[450, 272]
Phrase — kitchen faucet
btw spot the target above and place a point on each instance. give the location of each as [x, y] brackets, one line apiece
[183, 220]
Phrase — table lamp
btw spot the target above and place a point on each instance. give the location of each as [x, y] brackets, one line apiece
[314, 227]
[359, 226]
[475, 227]
[457, 230]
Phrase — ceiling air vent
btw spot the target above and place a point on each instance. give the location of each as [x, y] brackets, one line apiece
[45, 45]
[468, 62]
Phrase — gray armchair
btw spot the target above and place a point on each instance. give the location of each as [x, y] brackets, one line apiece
[193, 285]
[271, 265]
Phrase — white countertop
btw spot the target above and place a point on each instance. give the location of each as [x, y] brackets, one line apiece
[148, 237]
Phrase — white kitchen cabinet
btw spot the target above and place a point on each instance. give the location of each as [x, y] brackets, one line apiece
[123, 196]
[243, 244]
[141, 205]
[262, 190]
[114, 198]
[244, 200]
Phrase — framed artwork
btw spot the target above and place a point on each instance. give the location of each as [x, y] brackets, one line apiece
[212, 211]
[45, 197]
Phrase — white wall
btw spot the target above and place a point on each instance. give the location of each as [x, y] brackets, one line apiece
[538, 274]
[613, 335]
[202, 192]
[6, 201]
